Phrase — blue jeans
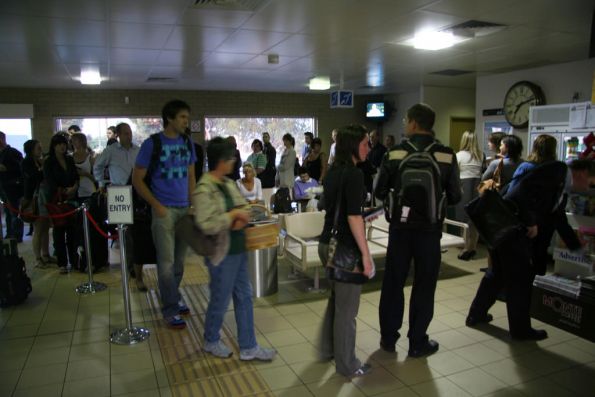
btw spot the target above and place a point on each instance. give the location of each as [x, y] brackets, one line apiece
[170, 258]
[230, 278]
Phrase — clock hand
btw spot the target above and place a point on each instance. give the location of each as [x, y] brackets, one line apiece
[518, 107]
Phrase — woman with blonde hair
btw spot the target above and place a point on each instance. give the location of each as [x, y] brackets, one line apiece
[471, 164]
[249, 185]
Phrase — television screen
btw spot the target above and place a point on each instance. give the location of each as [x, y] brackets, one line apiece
[375, 109]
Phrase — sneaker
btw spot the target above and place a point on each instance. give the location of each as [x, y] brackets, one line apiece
[218, 349]
[258, 353]
[176, 322]
[361, 371]
[387, 347]
[183, 309]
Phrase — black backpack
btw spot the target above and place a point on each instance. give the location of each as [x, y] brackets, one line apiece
[15, 286]
[418, 198]
[282, 201]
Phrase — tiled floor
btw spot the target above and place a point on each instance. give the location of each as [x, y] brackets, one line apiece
[57, 343]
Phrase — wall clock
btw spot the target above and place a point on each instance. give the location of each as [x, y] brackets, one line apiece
[517, 101]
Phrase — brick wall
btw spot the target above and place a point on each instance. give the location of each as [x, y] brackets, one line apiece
[49, 103]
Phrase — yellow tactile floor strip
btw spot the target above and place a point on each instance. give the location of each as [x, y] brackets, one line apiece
[190, 372]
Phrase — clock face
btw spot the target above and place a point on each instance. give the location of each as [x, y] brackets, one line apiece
[517, 101]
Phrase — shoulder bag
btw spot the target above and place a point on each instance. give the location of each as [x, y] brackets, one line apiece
[187, 231]
[494, 183]
[344, 262]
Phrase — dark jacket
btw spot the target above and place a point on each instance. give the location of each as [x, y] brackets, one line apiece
[11, 179]
[267, 177]
[540, 199]
[56, 177]
[445, 157]
[32, 177]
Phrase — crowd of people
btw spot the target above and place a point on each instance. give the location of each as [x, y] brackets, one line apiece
[169, 176]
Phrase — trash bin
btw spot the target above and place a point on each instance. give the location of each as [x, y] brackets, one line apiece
[262, 267]
[262, 243]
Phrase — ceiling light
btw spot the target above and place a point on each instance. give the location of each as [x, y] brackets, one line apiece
[90, 76]
[434, 40]
[320, 83]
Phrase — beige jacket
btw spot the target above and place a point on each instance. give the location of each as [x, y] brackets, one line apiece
[210, 211]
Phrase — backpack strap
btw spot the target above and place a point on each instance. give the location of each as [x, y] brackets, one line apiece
[154, 155]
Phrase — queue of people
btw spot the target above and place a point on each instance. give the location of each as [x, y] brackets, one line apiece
[163, 172]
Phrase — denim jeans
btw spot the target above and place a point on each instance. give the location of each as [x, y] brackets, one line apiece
[170, 258]
[230, 278]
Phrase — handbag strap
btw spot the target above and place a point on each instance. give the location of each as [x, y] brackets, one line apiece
[339, 200]
[498, 173]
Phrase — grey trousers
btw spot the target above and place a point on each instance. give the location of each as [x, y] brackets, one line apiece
[337, 336]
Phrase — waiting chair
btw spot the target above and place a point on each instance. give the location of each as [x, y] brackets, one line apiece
[301, 242]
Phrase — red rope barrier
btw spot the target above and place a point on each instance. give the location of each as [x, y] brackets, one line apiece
[96, 226]
[19, 213]
[63, 215]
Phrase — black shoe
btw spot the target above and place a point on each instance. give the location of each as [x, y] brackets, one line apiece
[533, 334]
[466, 255]
[472, 321]
[387, 347]
[430, 347]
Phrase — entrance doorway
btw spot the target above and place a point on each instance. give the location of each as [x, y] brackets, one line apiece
[458, 125]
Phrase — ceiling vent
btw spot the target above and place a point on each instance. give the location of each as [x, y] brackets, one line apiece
[474, 28]
[451, 72]
[162, 80]
[235, 5]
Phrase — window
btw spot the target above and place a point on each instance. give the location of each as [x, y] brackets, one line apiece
[96, 127]
[17, 131]
[246, 129]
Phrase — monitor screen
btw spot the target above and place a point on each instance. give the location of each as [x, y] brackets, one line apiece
[375, 109]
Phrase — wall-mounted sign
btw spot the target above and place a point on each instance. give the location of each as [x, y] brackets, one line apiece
[341, 99]
[493, 112]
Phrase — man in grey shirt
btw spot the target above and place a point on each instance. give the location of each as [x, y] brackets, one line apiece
[119, 159]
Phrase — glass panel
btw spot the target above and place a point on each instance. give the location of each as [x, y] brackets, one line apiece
[246, 129]
[96, 128]
[17, 131]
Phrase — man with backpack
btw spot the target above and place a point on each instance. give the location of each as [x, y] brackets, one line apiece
[417, 179]
[166, 181]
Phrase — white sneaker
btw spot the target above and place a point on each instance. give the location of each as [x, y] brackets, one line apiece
[218, 349]
[258, 353]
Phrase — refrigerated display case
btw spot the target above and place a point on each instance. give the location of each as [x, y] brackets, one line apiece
[555, 120]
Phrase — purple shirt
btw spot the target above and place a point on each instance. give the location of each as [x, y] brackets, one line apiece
[299, 189]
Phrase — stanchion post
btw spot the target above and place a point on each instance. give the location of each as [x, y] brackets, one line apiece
[91, 286]
[129, 335]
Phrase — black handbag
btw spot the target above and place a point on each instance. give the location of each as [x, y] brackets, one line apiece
[187, 231]
[494, 217]
[344, 262]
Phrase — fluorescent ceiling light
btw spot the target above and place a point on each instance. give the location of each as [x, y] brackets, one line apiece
[434, 40]
[90, 76]
[320, 83]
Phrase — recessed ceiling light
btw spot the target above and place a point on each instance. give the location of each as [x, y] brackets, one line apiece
[90, 76]
[434, 40]
[320, 83]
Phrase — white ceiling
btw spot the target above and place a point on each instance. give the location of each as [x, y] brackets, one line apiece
[44, 43]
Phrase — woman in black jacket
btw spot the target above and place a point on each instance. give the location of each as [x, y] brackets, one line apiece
[32, 169]
[537, 190]
[61, 183]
